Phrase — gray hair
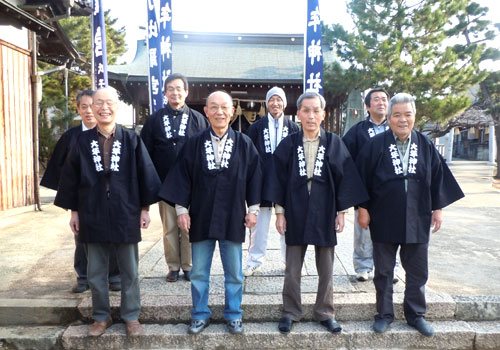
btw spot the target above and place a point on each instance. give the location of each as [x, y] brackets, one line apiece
[310, 95]
[401, 97]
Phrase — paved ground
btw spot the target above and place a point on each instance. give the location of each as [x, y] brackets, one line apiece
[36, 247]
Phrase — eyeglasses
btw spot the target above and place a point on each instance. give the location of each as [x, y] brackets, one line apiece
[215, 108]
[101, 103]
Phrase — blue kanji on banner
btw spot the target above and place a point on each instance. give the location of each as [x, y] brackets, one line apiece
[100, 68]
[159, 49]
[313, 65]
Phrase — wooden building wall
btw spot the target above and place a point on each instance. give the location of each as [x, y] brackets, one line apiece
[16, 131]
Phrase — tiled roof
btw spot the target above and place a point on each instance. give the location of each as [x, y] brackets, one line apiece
[249, 60]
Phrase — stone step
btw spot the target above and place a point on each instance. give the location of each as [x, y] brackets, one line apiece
[310, 335]
[38, 311]
[348, 307]
[31, 337]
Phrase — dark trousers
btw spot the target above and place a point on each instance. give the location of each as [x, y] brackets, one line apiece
[80, 264]
[415, 263]
[292, 304]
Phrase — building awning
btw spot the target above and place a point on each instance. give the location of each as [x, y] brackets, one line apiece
[13, 15]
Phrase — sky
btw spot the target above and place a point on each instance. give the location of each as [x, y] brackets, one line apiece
[230, 16]
[239, 16]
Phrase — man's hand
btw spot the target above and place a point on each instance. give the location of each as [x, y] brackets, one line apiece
[74, 222]
[436, 220]
[250, 220]
[363, 218]
[340, 222]
[184, 222]
[145, 219]
[281, 223]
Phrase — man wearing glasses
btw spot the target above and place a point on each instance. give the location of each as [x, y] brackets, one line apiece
[217, 176]
[164, 134]
[108, 182]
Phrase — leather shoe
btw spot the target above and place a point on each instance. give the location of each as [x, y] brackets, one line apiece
[134, 328]
[197, 326]
[187, 275]
[285, 325]
[115, 287]
[331, 325]
[421, 325]
[381, 325]
[172, 276]
[235, 326]
[98, 328]
[80, 288]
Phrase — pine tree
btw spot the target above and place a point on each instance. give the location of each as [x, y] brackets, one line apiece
[408, 47]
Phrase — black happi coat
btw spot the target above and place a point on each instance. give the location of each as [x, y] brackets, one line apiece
[257, 134]
[359, 134]
[215, 197]
[397, 215]
[164, 148]
[52, 174]
[112, 216]
[310, 217]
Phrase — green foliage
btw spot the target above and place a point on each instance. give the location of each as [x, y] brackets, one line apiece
[414, 47]
[63, 111]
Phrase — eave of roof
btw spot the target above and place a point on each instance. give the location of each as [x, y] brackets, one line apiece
[26, 19]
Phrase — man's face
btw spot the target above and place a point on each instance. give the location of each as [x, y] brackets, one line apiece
[378, 104]
[311, 114]
[84, 110]
[176, 93]
[104, 107]
[275, 106]
[219, 111]
[402, 120]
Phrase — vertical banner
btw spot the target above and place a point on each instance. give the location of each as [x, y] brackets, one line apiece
[313, 67]
[160, 49]
[165, 41]
[99, 55]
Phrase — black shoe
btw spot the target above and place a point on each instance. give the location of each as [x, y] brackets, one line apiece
[197, 326]
[285, 325]
[381, 325]
[332, 325]
[235, 326]
[173, 276]
[115, 286]
[80, 288]
[187, 275]
[421, 325]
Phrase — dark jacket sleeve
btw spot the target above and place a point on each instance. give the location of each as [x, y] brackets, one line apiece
[254, 175]
[444, 187]
[67, 193]
[149, 182]
[177, 186]
[350, 189]
[52, 174]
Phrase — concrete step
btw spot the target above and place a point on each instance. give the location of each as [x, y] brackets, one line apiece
[38, 311]
[304, 335]
[31, 337]
[349, 307]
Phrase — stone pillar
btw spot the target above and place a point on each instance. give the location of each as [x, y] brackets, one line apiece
[492, 146]
[448, 146]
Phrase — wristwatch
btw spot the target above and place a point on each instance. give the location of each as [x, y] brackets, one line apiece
[254, 212]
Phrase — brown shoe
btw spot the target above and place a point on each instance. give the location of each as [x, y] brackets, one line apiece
[134, 328]
[97, 328]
